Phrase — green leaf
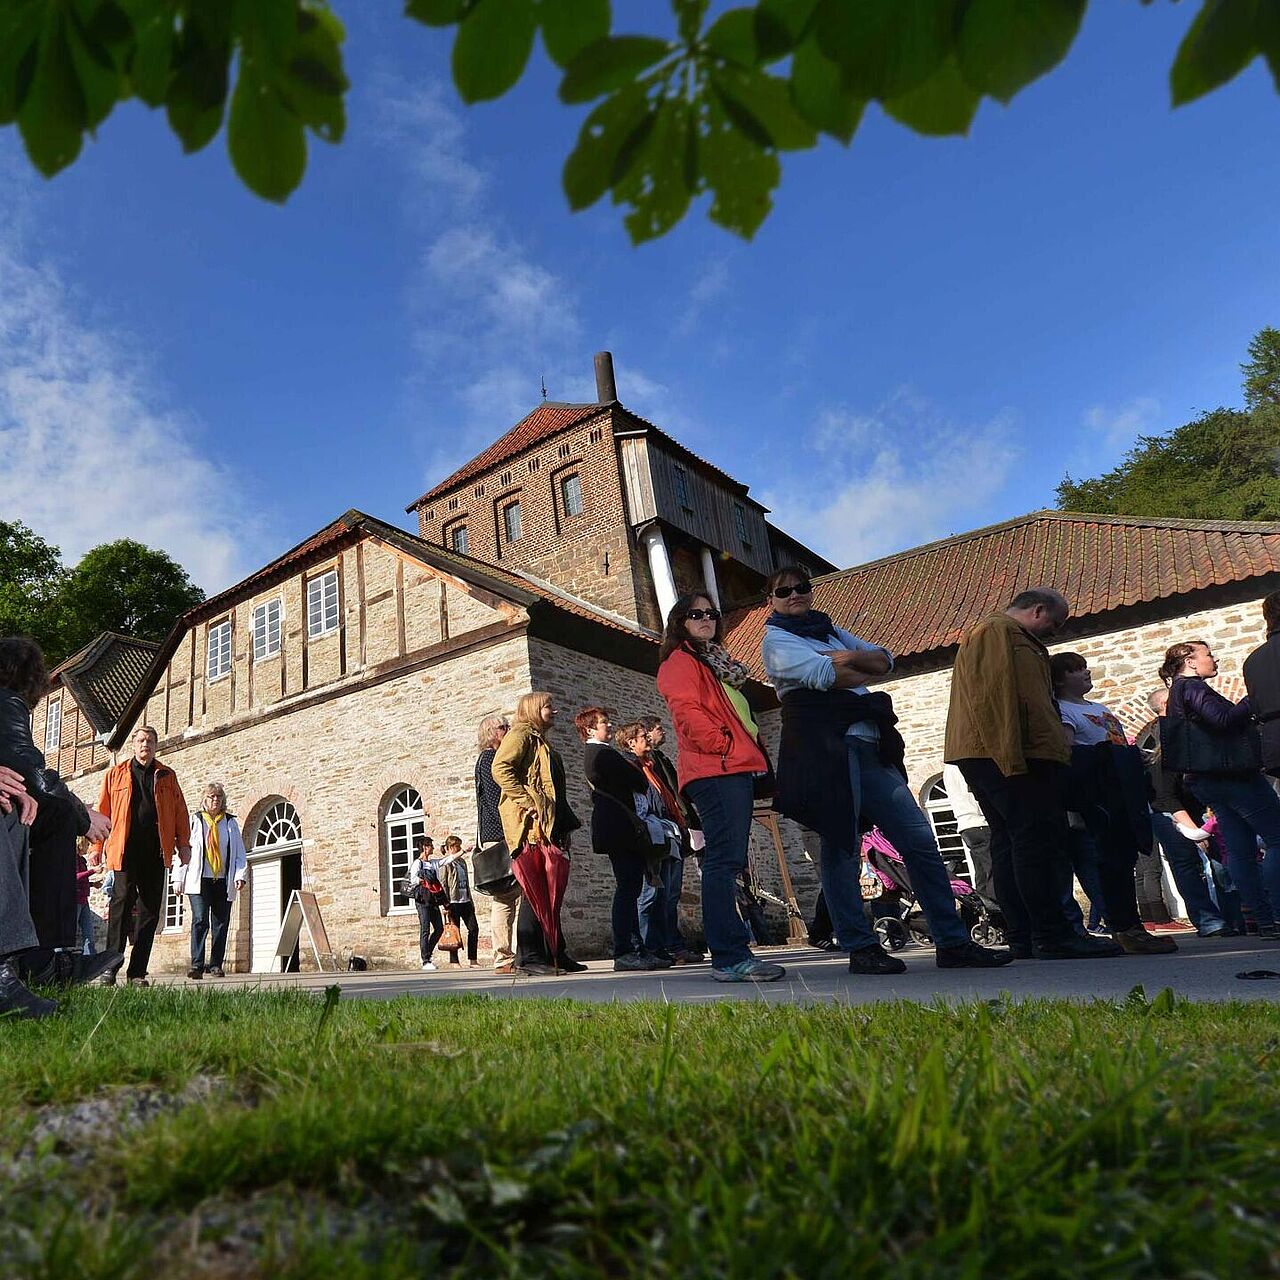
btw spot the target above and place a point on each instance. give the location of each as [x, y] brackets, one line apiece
[1221, 42]
[943, 104]
[689, 16]
[781, 25]
[314, 82]
[609, 64]
[492, 47]
[765, 100]
[265, 138]
[1267, 30]
[656, 184]
[740, 175]
[820, 94]
[568, 26]
[19, 31]
[732, 36]
[435, 13]
[198, 87]
[1003, 45]
[149, 68]
[614, 129]
[100, 82]
[884, 47]
[51, 118]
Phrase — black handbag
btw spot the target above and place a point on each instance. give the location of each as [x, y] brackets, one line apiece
[1188, 747]
[491, 867]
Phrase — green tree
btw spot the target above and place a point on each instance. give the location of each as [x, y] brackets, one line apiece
[31, 581]
[704, 113]
[1262, 369]
[127, 587]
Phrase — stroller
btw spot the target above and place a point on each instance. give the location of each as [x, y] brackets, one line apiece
[896, 916]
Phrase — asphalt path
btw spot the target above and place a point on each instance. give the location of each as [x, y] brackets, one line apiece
[1202, 969]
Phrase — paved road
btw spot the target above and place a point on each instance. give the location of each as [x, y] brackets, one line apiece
[1203, 969]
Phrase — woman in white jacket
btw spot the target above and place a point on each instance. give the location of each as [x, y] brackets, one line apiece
[217, 869]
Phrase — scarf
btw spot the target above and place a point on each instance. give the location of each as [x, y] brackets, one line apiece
[725, 666]
[212, 848]
[814, 625]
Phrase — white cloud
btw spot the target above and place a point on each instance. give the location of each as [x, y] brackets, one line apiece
[1119, 428]
[711, 284]
[88, 452]
[885, 481]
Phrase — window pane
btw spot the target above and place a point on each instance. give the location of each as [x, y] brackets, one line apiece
[458, 537]
[219, 660]
[266, 629]
[511, 517]
[53, 727]
[571, 490]
[322, 604]
[682, 487]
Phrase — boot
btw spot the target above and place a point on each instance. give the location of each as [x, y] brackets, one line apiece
[1138, 942]
[15, 1000]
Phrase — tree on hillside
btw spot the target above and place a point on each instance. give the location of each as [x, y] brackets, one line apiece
[127, 587]
[1223, 465]
[705, 113]
[31, 579]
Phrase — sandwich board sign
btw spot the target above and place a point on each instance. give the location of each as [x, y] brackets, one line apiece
[303, 912]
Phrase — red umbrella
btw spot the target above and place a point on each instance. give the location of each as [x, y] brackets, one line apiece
[543, 873]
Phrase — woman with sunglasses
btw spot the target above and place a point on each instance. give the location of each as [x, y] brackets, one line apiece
[717, 755]
[840, 768]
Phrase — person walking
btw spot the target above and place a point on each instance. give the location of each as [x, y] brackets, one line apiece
[429, 897]
[462, 908]
[216, 872]
[1223, 773]
[504, 894]
[840, 765]
[535, 811]
[150, 824]
[718, 756]
[1005, 735]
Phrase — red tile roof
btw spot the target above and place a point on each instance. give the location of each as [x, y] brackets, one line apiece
[923, 600]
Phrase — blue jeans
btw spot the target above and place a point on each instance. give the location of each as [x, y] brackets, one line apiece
[1084, 862]
[210, 904]
[1183, 857]
[658, 908]
[1247, 810]
[881, 794]
[724, 804]
[88, 922]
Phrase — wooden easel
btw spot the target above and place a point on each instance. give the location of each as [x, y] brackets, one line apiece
[796, 928]
[303, 912]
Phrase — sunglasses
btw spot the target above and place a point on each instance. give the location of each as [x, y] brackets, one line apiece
[697, 615]
[801, 589]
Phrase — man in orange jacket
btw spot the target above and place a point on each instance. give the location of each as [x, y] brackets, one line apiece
[149, 822]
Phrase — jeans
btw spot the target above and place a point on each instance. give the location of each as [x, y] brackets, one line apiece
[1084, 862]
[210, 904]
[628, 875]
[880, 794]
[88, 922]
[430, 927]
[658, 908]
[724, 804]
[1030, 858]
[17, 932]
[1183, 857]
[1247, 809]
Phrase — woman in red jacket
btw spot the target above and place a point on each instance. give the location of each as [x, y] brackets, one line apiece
[718, 753]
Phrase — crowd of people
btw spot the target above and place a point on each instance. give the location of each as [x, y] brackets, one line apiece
[1044, 782]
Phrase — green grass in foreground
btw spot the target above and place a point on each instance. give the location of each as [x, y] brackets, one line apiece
[478, 1137]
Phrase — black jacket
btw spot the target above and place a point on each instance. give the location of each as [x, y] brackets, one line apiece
[1262, 679]
[813, 757]
[19, 752]
[615, 782]
[1108, 787]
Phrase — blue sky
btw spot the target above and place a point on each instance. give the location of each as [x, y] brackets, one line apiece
[924, 336]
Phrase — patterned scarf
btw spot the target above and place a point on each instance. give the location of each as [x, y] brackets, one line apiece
[212, 847]
[725, 666]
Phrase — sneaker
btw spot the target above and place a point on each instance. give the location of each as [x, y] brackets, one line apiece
[874, 960]
[16, 1001]
[139, 982]
[824, 944]
[1136, 941]
[658, 959]
[428, 967]
[752, 970]
[195, 973]
[633, 962]
[969, 955]
[215, 971]
[1074, 947]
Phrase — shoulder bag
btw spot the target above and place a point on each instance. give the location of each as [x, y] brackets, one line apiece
[1188, 747]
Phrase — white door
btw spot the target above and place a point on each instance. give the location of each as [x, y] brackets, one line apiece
[264, 914]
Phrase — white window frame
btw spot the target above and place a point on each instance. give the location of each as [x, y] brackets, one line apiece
[404, 821]
[174, 915]
[574, 478]
[218, 651]
[942, 819]
[53, 726]
[454, 531]
[262, 611]
[507, 509]
[322, 604]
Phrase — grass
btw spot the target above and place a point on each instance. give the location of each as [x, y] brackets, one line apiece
[485, 1137]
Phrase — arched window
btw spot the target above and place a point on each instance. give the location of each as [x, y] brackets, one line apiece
[279, 825]
[933, 799]
[404, 820]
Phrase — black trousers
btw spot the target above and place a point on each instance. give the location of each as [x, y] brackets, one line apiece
[430, 927]
[140, 884]
[54, 908]
[463, 914]
[531, 942]
[628, 877]
[1030, 850]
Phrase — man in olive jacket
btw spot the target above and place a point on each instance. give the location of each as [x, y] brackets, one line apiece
[1005, 734]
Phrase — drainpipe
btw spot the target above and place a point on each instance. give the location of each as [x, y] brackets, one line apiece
[660, 567]
[709, 575]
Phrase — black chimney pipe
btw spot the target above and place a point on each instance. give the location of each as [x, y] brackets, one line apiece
[606, 388]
